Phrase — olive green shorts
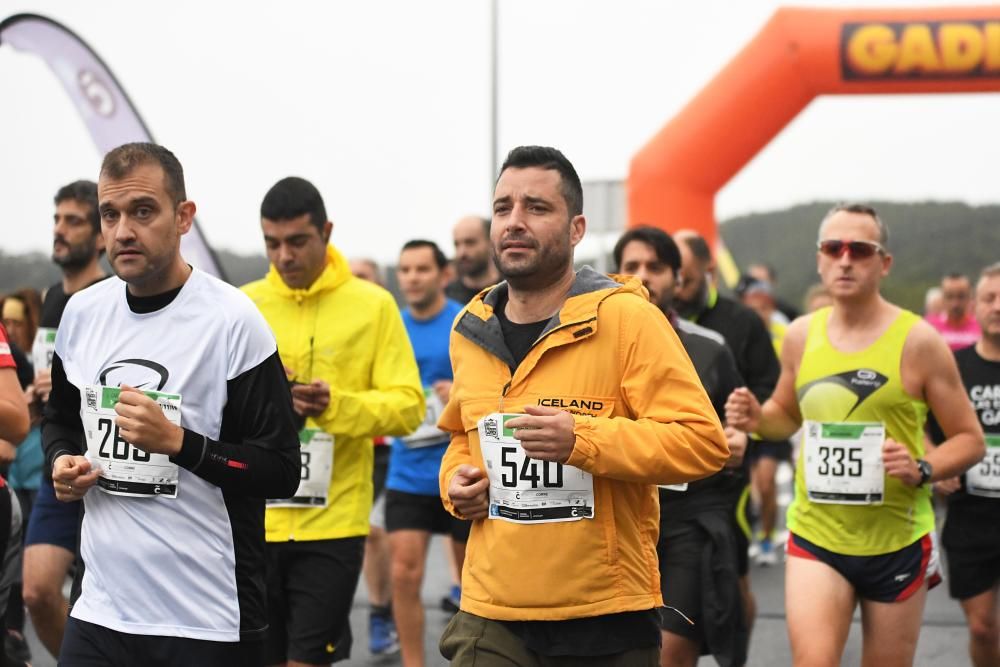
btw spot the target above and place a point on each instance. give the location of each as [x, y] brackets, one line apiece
[472, 641]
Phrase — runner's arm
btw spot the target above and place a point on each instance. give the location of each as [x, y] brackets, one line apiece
[675, 435]
[395, 403]
[62, 429]
[964, 443]
[257, 453]
[456, 455]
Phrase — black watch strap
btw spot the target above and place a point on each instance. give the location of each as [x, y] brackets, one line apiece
[925, 471]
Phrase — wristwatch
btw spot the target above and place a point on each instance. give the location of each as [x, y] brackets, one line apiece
[925, 471]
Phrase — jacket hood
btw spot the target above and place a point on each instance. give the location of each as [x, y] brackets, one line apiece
[589, 289]
[334, 274]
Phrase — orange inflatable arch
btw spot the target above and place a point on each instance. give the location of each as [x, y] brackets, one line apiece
[798, 55]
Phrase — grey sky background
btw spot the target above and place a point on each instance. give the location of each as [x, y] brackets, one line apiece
[385, 106]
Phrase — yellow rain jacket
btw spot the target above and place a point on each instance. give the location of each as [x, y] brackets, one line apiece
[642, 418]
[347, 332]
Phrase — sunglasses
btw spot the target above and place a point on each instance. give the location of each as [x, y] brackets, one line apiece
[857, 249]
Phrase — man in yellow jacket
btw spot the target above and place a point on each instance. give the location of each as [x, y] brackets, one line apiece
[572, 399]
[353, 376]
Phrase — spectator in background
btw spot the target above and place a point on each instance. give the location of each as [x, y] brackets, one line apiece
[766, 273]
[382, 637]
[21, 311]
[956, 323]
[817, 296]
[933, 302]
[473, 263]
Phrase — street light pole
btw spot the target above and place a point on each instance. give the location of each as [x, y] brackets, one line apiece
[494, 87]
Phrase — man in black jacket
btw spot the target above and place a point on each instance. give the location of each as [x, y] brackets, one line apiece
[699, 545]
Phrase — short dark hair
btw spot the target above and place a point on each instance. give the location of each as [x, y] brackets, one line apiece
[439, 257]
[292, 197]
[698, 246]
[863, 209]
[662, 244]
[122, 161]
[956, 275]
[545, 157]
[83, 192]
[487, 224]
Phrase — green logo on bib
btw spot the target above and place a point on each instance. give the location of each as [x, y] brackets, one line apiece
[508, 432]
[845, 431]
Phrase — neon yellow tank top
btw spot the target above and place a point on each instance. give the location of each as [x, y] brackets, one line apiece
[864, 386]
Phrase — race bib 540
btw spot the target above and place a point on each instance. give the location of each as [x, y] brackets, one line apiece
[525, 490]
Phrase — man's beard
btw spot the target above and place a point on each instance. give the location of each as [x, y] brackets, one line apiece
[473, 267]
[78, 256]
[695, 306]
[665, 303]
[548, 266]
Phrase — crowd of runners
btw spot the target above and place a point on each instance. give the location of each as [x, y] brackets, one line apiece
[215, 468]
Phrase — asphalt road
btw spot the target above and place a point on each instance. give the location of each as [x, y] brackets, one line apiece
[942, 642]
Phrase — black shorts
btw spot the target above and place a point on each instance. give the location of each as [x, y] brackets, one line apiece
[769, 449]
[681, 554]
[411, 511]
[680, 578]
[973, 548]
[891, 577]
[89, 645]
[53, 521]
[310, 588]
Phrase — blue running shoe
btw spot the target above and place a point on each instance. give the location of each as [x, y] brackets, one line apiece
[382, 638]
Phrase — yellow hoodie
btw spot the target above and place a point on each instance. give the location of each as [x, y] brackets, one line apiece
[349, 333]
[642, 418]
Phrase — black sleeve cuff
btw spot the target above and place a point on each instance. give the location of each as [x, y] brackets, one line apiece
[192, 452]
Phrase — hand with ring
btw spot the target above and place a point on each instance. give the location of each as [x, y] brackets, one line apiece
[72, 477]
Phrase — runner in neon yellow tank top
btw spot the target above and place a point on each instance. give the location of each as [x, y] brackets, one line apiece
[863, 386]
[859, 377]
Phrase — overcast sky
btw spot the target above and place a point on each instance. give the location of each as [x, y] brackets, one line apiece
[385, 106]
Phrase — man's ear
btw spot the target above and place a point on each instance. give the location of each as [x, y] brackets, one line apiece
[185, 216]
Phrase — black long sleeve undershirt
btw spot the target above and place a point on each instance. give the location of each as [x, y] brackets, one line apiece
[256, 455]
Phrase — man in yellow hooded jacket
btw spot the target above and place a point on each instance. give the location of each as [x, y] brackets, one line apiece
[572, 399]
[353, 376]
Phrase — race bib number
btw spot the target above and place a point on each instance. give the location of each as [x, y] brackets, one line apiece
[43, 349]
[525, 490]
[983, 479]
[843, 462]
[127, 470]
[315, 471]
[428, 433]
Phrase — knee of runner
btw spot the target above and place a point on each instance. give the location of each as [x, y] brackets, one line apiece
[42, 595]
[984, 629]
[406, 572]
